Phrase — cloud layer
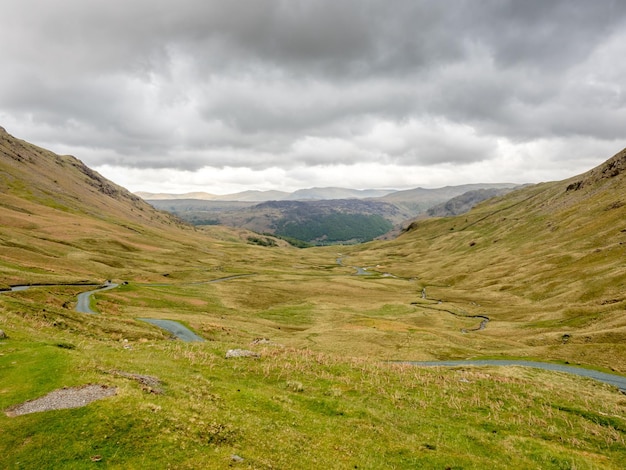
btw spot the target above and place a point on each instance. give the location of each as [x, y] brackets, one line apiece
[220, 96]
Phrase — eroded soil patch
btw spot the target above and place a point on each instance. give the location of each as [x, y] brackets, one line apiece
[63, 398]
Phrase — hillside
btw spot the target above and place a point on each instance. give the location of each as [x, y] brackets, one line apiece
[64, 183]
[465, 202]
[297, 363]
[544, 263]
[60, 221]
[419, 200]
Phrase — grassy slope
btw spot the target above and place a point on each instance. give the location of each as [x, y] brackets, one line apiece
[320, 396]
[544, 263]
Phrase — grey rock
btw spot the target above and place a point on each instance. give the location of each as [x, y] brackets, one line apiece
[241, 353]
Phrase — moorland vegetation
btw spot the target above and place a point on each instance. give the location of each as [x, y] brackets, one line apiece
[324, 388]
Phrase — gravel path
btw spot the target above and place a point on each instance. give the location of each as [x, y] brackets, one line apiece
[62, 399]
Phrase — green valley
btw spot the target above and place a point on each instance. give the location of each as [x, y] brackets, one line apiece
[325, 331]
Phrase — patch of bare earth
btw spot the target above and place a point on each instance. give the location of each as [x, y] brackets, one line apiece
[63, 398]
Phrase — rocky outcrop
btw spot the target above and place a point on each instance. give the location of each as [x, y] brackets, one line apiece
[614, 166]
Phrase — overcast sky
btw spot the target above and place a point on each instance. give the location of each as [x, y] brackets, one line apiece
[224, 96]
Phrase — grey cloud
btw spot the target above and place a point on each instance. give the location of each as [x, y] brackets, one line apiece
[150, 83]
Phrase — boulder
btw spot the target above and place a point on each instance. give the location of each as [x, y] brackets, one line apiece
[241, 353]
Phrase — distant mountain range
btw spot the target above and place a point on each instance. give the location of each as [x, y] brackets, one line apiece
[261, 196]
[321, 215]
[320, 194]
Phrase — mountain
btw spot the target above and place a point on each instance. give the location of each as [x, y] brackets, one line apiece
[337, 193]
[466, 201]
[314, 221]
[414, 200]
[261, 196]
[419, 200]
[38, 177]
[318, 222]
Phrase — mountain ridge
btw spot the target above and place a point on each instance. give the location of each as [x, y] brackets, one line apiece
[65, 183]
[398, 209]
[318, 193]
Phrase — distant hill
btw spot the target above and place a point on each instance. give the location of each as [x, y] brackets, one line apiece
[260, 196]
[252, 196]
[396, 208]
[465, 202]
[419, 200]
[322, 222]
[414, 199]
[337, 193]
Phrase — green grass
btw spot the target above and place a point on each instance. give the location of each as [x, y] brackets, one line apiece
[296, 408]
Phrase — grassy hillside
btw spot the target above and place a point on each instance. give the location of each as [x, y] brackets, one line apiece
[545, 264]
[61, 222]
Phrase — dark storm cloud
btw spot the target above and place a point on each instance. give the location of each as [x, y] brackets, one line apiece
[265, 83]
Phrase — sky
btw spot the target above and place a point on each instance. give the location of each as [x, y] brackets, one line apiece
[227, 96]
